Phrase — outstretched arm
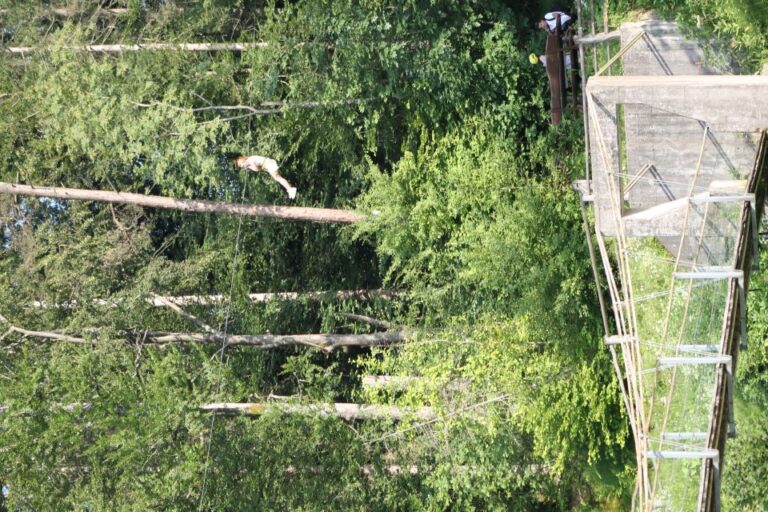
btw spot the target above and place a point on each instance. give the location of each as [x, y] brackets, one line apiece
[282, 181]
[272, 168]
[261, 163]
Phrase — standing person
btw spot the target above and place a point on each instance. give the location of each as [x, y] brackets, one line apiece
[261, 163]
[555, 23]
[549, 21]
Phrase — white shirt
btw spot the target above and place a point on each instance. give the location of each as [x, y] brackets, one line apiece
[551, 19]
[260, 163]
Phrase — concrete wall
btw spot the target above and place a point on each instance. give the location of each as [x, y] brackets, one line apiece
[663, 122]
[663, 51]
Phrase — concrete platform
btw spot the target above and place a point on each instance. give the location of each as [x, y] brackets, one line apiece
[663, 122]
[664, 51]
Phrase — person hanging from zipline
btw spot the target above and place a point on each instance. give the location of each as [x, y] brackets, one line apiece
[257, 163]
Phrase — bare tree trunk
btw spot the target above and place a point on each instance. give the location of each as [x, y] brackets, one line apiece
[119, 48]
[272, 107]
[210, 300]
[66, 12]
[204, 300]
[367, 319]
[74, 407]
[39, 334]
[366, 470]
[325, 215]
[313, 104]
[401, 383]
[326, 342]
[344, 411]
[391, 382]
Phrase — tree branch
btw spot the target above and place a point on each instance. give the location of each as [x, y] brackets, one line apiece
[41, 334]
[186, 315]
[367, 319]
[325, 342]
[252, 111]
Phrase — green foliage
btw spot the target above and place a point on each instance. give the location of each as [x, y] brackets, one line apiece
[753, 362]
[27, 23]
[425, 115]
[744, 487]
[486, 239]
[91, 129]
[509, 401]
[464, 225]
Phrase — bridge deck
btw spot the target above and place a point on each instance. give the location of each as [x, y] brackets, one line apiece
[678, 161]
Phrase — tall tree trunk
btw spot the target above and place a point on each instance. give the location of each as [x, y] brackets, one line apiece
[119, 48]
[270, 107]
[390, 382]
[66, 12]
[326, 215]
[204, 300]
[326, 342]
[403, 382]
[210, 300]
[344, 411]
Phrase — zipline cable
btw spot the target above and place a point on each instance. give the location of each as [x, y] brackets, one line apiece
[224, 343]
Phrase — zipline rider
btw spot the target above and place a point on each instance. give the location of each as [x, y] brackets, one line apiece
[258, 163]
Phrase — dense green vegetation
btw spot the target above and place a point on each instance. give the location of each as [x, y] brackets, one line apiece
[427, 117]
[424, 116]
[746, 458]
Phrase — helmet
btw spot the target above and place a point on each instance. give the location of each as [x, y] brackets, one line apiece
[533, 58]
